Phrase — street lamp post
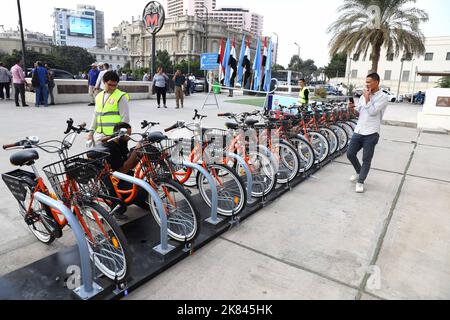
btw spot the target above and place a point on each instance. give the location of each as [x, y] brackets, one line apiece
[206, 89]
[400, 78]
[298, 46]
[349, 72]
[21, 34]
[276, 53]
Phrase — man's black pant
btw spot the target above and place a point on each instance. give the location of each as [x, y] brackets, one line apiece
[367, 143]
[4, 86]
[19, 88]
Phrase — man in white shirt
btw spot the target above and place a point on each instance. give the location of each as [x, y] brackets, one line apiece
[371, 108]
[100, 85]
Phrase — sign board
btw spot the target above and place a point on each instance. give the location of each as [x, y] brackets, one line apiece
[283, 101]
[154, 17]
[208, 61]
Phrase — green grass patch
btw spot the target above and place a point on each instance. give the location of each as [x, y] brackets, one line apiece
[257, 102]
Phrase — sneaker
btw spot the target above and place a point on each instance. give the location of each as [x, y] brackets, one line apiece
[91, 104]
[159, 107]
[165, 107]
[359, 188]
[177, 108]
[25, 105]
[354, 178]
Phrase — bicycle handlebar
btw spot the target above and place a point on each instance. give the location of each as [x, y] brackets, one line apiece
[145, 124]
[198, 116]
[175, 126]
[12, 145]
[78, 129]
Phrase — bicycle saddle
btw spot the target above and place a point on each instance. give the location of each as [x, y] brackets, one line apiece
[251, 122]
[232, 125]
[22, 158]
[97, 153]
[156, 137]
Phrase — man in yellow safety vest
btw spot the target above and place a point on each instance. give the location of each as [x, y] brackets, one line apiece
[303, 98]
[111, 108]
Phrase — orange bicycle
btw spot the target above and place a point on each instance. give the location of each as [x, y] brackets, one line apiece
[74, 180]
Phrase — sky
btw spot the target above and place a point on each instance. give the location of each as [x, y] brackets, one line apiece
[295, 21]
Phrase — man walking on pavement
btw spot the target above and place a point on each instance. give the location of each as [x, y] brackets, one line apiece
[19, 82]
[371, 108]
[100, 84]
[92, 81]
[5, 81]
[180, 81]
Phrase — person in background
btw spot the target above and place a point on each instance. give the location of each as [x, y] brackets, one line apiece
[100, 84]
[303, 98]
[161, 80]
[371, 107]
[42, 88]
[111, 107]
[146, 77]
[180, 81]
[51, 84]
[19, 82]
[5, 81]
[187, 88]
[192, 80]
[92, 81]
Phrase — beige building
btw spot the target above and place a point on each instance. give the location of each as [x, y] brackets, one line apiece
[183, 37]
[392, 70]
[10, 40]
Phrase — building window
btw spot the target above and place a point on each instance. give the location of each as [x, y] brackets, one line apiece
[62, 32]
[405, 76]
[429, 56]
[448, 56]
[425, 79]
[354, 74]
[63, 37]
[387, 74]
[110, 57]
[390, 57]
[103, 57]
[356, 57]
[61, 26]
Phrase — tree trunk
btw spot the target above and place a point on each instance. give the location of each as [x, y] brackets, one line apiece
[376, 53]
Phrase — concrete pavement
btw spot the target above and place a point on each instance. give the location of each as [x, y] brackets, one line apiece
[319, 241]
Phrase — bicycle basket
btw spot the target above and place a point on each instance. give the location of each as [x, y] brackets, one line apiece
[16, 181]
[80, 169]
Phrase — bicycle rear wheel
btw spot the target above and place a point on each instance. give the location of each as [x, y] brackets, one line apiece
[342, 136]
[289, 163]
[232, 195]
[306, 153]
[320, 145]
[183, 219]
[263, 171]
[107, 244]
[332, 139]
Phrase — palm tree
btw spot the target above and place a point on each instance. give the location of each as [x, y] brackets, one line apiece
[361, 28]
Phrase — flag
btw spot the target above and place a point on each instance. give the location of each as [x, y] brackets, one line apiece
[220, 60]
[240, 72]
[246, 64]
[226, 58]
[257, 67]
[264, 62]
[230, 73]
[268, 68]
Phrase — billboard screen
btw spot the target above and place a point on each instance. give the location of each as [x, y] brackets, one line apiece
[81, 27]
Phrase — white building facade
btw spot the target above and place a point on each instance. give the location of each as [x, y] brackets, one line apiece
[393, 72]
[236, 17]
[83, 27]
[10, 40]
[117, 59]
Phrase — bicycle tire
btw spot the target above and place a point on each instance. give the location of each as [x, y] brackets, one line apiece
[332, 138]
[292, 168]
[348, 129]
[238, 200]
[118, 241]
[306, 153]
[174, 229]
[342, 135]
[267, 177]
[320, 145]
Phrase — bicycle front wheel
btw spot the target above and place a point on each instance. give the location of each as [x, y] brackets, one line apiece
[107, 244]
[232, 195]
[183, 219]
[263, 171]
[289, 163]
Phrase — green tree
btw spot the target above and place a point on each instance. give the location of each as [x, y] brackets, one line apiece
[191, 66]
[361, 28]
[75, 59]
[163, 60]
[307, 68]
[444, 82]
[277, 67]
[337, 66]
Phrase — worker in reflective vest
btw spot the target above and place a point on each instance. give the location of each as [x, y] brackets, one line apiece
[303, 98]
[111, 108]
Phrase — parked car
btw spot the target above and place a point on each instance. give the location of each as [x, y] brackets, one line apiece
[58, 74]
[199, 85]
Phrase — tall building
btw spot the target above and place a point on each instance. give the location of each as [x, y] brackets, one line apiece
[392, 70]
[236, 17]
[83, 27]
[10, 40]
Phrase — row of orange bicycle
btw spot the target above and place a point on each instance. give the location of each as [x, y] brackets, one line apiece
[276, 146]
